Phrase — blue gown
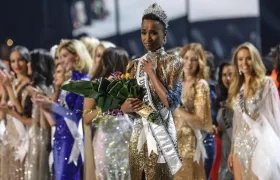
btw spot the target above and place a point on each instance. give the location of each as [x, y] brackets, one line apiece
[63, 139]
[209, 142]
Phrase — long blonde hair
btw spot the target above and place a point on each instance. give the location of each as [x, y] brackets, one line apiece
[91, 44]
[258, 72]
[202, 72]
[76, 47]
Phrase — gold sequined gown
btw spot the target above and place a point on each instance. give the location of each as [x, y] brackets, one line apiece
[36, 161]
[263, 107]
[12, 169]
[169, 73]
[195, 101]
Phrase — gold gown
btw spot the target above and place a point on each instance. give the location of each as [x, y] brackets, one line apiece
[10, 167]
[197, 102]
[141, 165]
[36, 160]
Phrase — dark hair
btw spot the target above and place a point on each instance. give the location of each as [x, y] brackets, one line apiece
[222, 91]
[42, 65]
[210, 58]
[275, 54]
[268, 63]
[24, 53]
[114, 60]
[155, 18]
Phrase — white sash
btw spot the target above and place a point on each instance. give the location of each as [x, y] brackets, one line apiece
[77, 134]
[2, 129]
[200, 149]
[156, 133]
[51, 160]
[23, 146]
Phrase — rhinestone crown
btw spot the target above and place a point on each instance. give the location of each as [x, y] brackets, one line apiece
[157, 11]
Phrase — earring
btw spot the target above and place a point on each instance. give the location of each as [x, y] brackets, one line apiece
[240, 73]
[164, 40]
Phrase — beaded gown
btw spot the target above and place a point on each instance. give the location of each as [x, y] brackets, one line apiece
[70, 108]
[254, 121]
[168, 70]
[36, 161]
[110, 145]
[15, 140]
[195, 101]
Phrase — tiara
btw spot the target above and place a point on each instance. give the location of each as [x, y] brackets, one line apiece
[158, 12]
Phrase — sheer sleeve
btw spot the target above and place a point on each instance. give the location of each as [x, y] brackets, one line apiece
[271, 103]
[174, 82]
[202, 105]
[74, 113]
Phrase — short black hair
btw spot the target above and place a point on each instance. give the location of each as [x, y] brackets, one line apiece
[151, 16]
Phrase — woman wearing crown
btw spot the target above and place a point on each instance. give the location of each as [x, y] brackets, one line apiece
[153, 146]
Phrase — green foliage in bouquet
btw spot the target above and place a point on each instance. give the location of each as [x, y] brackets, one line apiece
[107, 94]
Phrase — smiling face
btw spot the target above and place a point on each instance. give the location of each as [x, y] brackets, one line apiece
[18, 64]
[59, 75]
[152, 34]
[67, 59]
[191, 64]
[227, 75]
[244, 61]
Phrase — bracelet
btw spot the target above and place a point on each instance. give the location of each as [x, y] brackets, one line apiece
[87, 111]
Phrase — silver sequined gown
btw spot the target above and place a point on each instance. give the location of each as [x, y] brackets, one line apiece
[110, 146]
[244, 143]
[261, 107]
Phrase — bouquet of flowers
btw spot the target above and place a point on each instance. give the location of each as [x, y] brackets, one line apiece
[108, 93]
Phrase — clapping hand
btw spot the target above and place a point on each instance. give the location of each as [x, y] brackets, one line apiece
[6, 78]
[42, 101]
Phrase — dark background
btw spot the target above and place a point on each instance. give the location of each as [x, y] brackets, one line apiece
[42, 23]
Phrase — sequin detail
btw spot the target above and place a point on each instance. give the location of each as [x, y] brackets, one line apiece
[169, 73]
[244, 142]
[195, 101]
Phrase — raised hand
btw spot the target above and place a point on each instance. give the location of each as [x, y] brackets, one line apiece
[148, 66]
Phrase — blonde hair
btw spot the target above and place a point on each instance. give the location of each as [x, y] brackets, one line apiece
[258, 72]
[76, 47]
[91, 44]
[53, 51]
[107, 44]
[202, 72]
[66, 74]
[104, 44]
